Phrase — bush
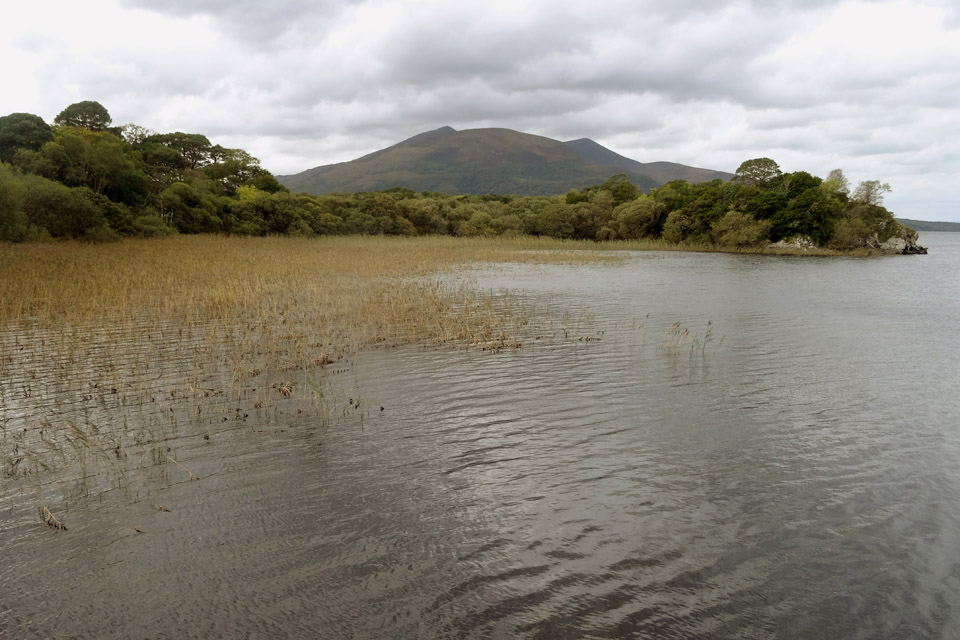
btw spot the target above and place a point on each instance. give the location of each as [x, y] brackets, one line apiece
[639, 218]
[740, 230]
[62, 211]
[151, 226]
[100, 234]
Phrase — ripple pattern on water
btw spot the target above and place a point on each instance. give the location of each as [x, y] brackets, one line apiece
[795, 478]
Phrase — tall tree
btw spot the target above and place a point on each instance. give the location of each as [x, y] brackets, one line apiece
[839, 180]
[88, 114]
[871, 192]
[22, 131]
[757, 172]
[196, 148]
[620, 188]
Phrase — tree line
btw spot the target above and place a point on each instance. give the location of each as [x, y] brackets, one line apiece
[84, 178]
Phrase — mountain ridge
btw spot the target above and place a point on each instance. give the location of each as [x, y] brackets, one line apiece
[488, 160]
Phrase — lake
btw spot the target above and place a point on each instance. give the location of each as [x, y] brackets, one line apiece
[686, 446]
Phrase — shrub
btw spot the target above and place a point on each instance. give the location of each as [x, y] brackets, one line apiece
[740, 230]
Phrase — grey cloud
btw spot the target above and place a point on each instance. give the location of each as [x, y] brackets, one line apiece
[254, 22]
[703, 82]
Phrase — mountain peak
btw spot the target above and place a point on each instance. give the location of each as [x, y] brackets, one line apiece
[491, 160]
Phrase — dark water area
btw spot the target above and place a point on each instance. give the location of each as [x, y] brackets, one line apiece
[789, 470]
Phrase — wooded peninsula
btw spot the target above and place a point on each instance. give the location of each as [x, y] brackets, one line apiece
[83, 178]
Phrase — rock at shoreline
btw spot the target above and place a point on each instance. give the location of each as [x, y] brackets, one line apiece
[903, 242]
[801, 243]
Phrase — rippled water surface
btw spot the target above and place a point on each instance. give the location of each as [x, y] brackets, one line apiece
[703, 445]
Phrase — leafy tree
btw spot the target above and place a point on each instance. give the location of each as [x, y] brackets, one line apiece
[810, 214]
[233, 168]
[479, 224]
[150, 226]
[798, 182]
[196, 148]
[22, 131]
[757, 172]
[164, 165]
[740, 230]
[135, 134]
[641, 218]
[839, 180]
[620, 187]
[51, 161]
[87, 115]
[673, 195]
[188, 210]
[679, 226]
[60, 210]
[556, 220]
[14, 223]
[871, 192]
[765, 204]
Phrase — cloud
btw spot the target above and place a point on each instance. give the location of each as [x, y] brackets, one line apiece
[869, 86]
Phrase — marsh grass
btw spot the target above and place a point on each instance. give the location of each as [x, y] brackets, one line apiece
[680, 339]
[112, 357]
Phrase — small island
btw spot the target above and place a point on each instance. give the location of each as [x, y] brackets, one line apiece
[83, 178]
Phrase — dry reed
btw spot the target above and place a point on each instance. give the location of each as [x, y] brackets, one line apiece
[107, 352]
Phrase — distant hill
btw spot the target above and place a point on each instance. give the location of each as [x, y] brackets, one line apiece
[921, 225]
[479, 161]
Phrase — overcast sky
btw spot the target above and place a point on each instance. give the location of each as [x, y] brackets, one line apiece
[872, 87]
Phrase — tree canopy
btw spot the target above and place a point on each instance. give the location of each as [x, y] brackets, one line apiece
[757, 171]
[82, 178]
[87, 115]
[22, 131]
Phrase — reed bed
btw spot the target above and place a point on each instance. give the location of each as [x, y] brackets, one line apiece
[117, 357]
[190, 277]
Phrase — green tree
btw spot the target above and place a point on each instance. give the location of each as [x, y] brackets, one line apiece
[839, 180]
[757, 172]
[620, 187]
[51, 161]
[135, 134]
[871, 192]
[164, 165]
[22, 131]
[796, 183]
[556, 220]
[680, 226]
[479, 224]
[60, 210]
[14, 223]
[740, 230]
[641, 218]
[233, 168]
[87, 115]
[188, 210]
[196, 148]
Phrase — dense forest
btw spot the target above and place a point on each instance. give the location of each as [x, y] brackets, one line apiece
[84, 178]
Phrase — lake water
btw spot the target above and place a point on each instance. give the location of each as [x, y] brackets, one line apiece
[789, 470]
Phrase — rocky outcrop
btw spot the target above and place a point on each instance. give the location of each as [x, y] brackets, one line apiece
[799, 243]
[903, 241]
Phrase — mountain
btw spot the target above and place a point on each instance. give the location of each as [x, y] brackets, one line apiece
[923, 225]
[661, 172]
[480, 161]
